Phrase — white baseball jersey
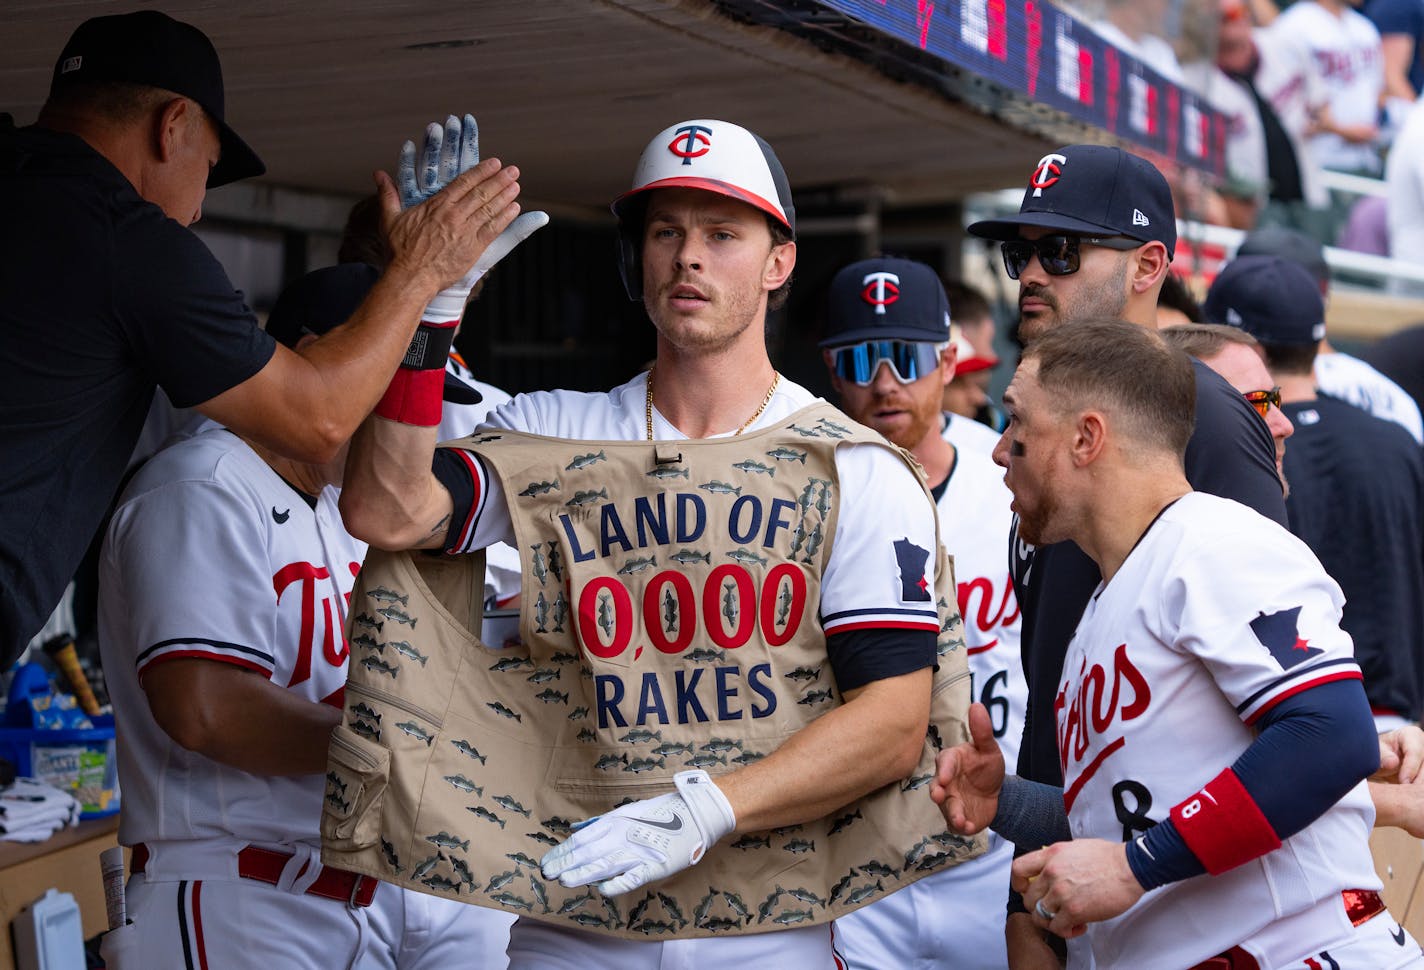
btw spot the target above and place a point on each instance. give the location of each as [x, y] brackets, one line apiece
[1216, 615]
[880, 502]
[958, 914]
[211, 554]
[1355, 382]
[502, 576]
[1346, 53]
[969, 434]
[1245, 135]
[1404, 188]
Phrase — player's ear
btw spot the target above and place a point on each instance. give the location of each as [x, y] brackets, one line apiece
[1089, 437]
[1149, 266]
[779, 264]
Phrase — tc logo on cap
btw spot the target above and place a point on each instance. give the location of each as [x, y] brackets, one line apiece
[881, 290]
[1047, 172]
[692, 141]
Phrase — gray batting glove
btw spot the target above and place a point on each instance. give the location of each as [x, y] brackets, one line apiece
[644, 841]
[448, 152]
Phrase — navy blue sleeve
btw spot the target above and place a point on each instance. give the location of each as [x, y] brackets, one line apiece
[1231, 452]
[453, 472]
[859, 657]
[186, 325]
[1312, 749]
[1396, 16]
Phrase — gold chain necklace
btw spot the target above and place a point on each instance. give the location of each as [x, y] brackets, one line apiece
[775, 380]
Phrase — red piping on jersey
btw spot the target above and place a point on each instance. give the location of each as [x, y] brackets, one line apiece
[198, 927]
[983, 649]
[1070, 795]
[472, 467]
[932, 627]
[1328, 679]
[204, 655]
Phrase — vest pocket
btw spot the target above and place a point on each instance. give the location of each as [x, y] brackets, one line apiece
[357, 773]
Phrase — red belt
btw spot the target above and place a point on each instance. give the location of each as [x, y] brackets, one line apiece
[266, 865]
[1361, 906]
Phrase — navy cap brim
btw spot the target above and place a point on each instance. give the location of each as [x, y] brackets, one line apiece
[236, 159]
[458, 392]
[1004, 230]
[911, 334]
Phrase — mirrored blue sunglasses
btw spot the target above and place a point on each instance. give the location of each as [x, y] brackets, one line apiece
[909, 360]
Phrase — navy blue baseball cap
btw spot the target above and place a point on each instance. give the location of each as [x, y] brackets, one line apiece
[1092, 190]
[1291, 244]
[151, 48]
[886, 299]
[1272, 298]
[326, 298]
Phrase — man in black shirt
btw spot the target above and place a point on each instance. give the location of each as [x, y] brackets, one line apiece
[108, 295]
[1093, 239]
[1357, 482]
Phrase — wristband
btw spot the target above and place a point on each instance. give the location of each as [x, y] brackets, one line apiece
[1223, 825]
[416, 393]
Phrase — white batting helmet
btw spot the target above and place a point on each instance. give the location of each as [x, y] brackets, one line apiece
[716, 156]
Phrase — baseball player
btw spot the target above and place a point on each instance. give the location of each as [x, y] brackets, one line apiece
[1092, 240]
[1208, 670]
[708, 243]
[885, 339]
[225, 580]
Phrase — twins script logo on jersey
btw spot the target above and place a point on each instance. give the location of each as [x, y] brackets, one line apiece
[1047, 172]
[976, 605]
[692, 141]
[1097, 703]
[881, 290]
[334, 646]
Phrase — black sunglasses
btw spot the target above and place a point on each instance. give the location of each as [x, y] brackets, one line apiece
[1059, 254]
[1262, 400]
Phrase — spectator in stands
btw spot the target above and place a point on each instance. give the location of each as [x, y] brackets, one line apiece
[1401, 27]
[1345, 48]
[1135, 26]
[1404, 188]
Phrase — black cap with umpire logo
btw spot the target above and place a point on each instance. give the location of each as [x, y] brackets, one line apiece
[1273, 299]
[715, 156]
[152, 49]
[886, 299]
[1092, 190]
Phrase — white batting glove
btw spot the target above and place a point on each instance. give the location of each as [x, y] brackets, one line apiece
[449, 304]
[644, 841]
[448, 153]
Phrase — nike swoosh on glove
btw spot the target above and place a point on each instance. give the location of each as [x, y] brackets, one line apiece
[645, 840]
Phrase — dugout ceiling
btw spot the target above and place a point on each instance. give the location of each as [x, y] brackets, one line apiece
[571, 89]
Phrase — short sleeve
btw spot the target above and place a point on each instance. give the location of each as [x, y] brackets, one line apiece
[187, 327]
[881, 572]
[1269, 633]
[195, 569]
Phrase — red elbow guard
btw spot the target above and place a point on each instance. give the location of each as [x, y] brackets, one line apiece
[1223, 825]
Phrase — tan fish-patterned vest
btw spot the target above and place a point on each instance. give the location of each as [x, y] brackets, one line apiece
[669, 620]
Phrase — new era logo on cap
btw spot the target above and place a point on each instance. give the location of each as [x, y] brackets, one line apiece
[881, 289]
[71, 64]
[1138, 219]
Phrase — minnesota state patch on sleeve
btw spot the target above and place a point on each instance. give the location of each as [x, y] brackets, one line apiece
[914, 587]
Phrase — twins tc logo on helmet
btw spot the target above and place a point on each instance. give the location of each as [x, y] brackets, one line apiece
[1047, 172]
[881, 290]
[692, 141]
